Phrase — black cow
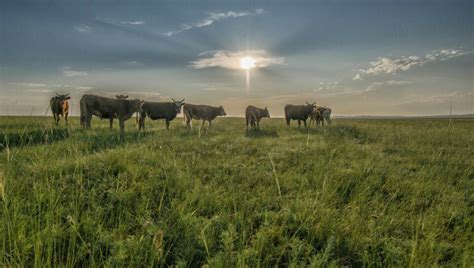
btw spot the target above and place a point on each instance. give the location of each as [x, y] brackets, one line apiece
[160, 110]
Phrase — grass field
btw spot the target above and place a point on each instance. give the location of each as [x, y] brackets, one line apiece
[357, 193]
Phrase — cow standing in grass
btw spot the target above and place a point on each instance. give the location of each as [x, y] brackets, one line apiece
[298, 112]
[201, 112]
[60, 107]
[103, 107]
[320, 115]
[253, 115]
[160, 110]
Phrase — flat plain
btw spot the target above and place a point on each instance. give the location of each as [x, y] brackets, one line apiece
[356, 193]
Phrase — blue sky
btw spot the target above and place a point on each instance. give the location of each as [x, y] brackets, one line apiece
[357, 57]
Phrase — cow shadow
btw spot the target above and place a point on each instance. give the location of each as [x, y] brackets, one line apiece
[261, 133]
[32, 137]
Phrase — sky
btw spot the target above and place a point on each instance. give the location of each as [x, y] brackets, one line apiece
[356, 57]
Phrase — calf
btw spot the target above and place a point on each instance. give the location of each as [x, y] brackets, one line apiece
[253, 115]
[60, 107]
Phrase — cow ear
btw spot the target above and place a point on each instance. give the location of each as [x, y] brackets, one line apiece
[68, 97]
[126, 97]
[266, 108]
[117, 96]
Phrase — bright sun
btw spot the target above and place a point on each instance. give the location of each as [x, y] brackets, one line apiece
[247, 63]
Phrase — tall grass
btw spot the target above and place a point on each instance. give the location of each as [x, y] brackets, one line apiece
[358, 193]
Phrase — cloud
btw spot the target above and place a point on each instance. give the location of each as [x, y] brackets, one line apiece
[326, 86]
[133, 63]
[212, 18]
[68, 71]
[30, 85]
[83, 28]
[84, 88]
[136, 22]
[384, 84]
[231, 59]
[384, 65]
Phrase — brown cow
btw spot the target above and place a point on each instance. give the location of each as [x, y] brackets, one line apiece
[254, 114]
[201, 112]
[60, 107]
[320, 115]
[103, 107]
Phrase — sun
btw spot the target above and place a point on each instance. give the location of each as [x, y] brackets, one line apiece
[247, 63]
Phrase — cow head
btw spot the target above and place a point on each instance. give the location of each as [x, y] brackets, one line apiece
[221, 111]
[178, 104]
[121, 97]
[62, 98]
[266, 113]
[137, 105]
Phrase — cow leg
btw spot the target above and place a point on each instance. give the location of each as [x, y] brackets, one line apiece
[167, 124]
[209, 123]
[122, 125]
[88, 120]
[287, 121]
[258, 124]
[111, 121]
[299, 123]
[202, 125]
[304, 121]
[65, 117]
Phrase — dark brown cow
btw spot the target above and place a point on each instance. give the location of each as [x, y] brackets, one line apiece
[253, 115]
[298, 112]
[160, 110]
[103, 107]
[201, 112]
[60, 107]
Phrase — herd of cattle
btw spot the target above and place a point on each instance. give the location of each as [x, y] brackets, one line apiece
[122, 109]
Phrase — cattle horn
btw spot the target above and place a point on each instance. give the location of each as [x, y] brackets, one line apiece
[182, 100]
[173, 99]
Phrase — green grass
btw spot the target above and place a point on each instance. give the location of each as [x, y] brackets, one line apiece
[357, 193]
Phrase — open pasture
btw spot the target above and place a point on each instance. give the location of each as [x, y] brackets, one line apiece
[356, 193]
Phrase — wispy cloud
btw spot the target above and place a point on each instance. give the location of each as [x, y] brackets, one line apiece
[83, 28]
[384, 65]
[134, 22]
[232, 59]
[386, 84]
[68, 71]
[323, 86]
[133, 63]
[212, 18]
[29, 85]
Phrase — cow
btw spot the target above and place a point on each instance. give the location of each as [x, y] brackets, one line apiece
[321, 114]
[105, 114]
[160, 110]
[253, 115]
[298, 112]
[103, 107]
[325, 115]
[201, 112]
[60, 107]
